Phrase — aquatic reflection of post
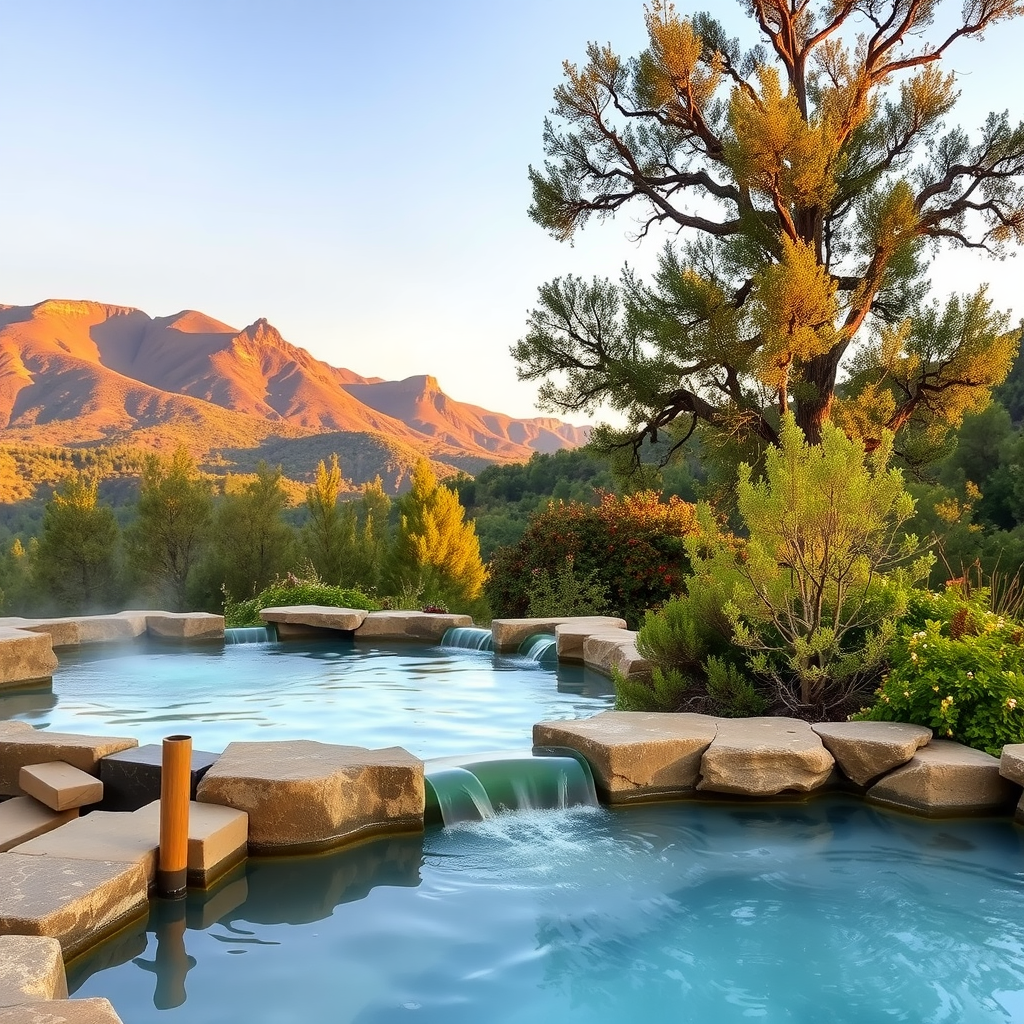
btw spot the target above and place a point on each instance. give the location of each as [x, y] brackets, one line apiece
[172, 962]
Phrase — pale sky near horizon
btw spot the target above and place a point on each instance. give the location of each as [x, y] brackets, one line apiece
[353, 172]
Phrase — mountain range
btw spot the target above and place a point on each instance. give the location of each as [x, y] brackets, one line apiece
[85, 373]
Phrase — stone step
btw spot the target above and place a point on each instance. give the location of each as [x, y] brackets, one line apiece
[60, 785]
[23, 818]
[31, 968]
[217, 840]
[77, 902]
[20, 745]
[62, 1011]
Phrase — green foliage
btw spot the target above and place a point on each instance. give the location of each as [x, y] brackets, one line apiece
[961, 676]
[171, 527]
[686, 630]
[664, 691]
[74, 565]
[294, 590]
[732, 693]
[562, 592]
[436, 554]
[325, 537]
[633, 545]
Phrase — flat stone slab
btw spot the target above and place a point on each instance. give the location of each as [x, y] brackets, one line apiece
[217, 838]
[185, 625]
[510, 633]
[301, 794]
[25, 657]
[78, 902]
[1011, 763]
[865, 750]
[31, 968]
[20, 745]
[635, 755]
[24, 818]
[615, 651]
[60, 785]
[429, 626]
[569, 636]
[763, 757]
[131, 778]
[316, 616]
[947, 778]
[63, 1011]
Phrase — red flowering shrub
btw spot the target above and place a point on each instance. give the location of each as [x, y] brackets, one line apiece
[633, 544]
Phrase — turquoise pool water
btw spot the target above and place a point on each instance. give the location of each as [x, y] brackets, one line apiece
[432, 700]
[828, 912]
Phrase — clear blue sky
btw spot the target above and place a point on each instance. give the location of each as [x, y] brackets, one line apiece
[356, 173]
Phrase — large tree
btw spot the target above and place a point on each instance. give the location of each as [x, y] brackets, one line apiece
[807, 181]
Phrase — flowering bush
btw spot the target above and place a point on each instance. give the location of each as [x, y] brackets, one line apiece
[633, 546]
[963, 677]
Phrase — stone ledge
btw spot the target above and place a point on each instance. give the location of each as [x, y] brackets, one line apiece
[945, 779]
[409, 625]
[615, 651]
[510, 633]
[21, 745]
[25, 657]
[77, 902]
[306, 795]
[185, 626]
[570, 636]
[635, 755]
[866, 750]
[62, 1011]
[24, 818]
[311, 619]
[31, 968]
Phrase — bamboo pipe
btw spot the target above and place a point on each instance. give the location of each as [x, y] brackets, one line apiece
[175, 790]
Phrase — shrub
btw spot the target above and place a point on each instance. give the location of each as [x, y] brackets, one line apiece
[563, 592]
[633, 545]
[294, 590]
[963, 677]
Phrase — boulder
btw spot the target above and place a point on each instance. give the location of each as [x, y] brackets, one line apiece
[865, 750]
[510, 633]
[304, 795]
[569, 636]
[61, 1011]
[78, 902]
[947, 778]
[763, 757]
[423, 626]
[635, 755]
[185, 626]
[615, 651]
[31, 968]
[311, 619]
[20, 745]
[25, 657]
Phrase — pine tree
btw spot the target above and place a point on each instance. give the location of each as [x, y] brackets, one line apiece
[436, 553]
[325, 536]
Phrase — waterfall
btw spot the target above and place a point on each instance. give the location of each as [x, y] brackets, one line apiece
[477, 787]
[468, 638]
[247, 635]
[541, 647]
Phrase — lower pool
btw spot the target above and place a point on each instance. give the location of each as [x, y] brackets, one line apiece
[819, 913]
[435, 701]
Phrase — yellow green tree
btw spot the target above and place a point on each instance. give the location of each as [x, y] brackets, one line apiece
[805, 182]
[436, 553]
[325, 537]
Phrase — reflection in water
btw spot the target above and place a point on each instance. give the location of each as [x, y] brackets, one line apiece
[172, 962]
[30, 705]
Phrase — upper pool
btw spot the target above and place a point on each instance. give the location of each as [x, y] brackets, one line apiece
[433, 700]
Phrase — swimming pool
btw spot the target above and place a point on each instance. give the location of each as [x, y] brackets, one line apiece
[433, 700]
[691, 912]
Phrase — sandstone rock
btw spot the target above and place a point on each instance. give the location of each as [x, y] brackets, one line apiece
[1011, 763]
[510, 633]
[947, 778]
[24, 818]
[569, 636]
[25, 657]
[31, 968]
[60, 785]
[62, 1011]
[63, 632]
[764, 756]
[217, 838]
[615, 651]
[428, 626]
[303, 619]
[865, 750]
[301, 794]
[635, 755]
[20, 745]
[185, 626]
[78, 902]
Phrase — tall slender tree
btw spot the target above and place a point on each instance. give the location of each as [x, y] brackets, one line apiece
[807, 181]
[324, 537]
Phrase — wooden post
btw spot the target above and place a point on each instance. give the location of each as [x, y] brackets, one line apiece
[175, 790]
